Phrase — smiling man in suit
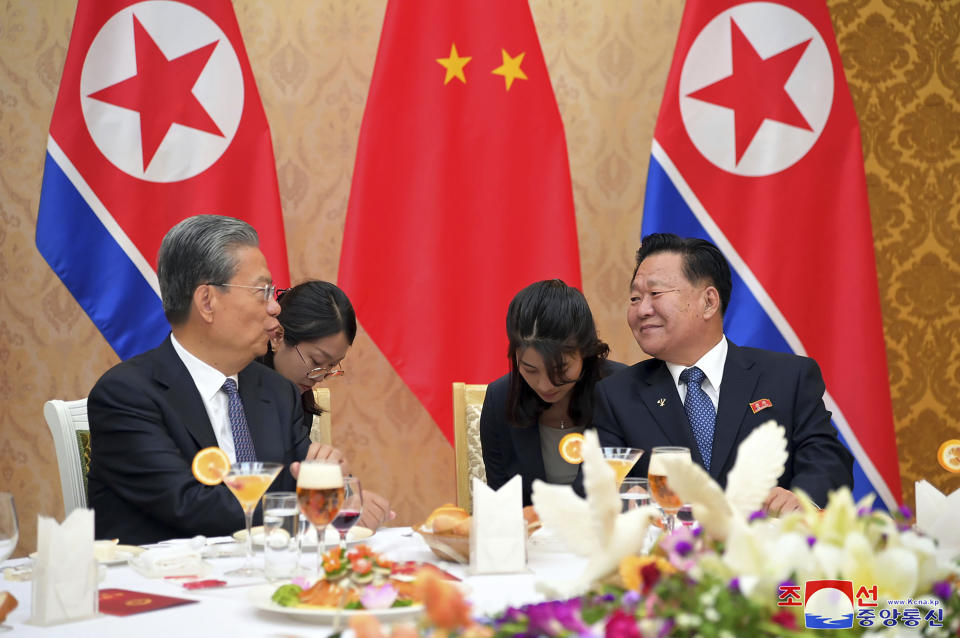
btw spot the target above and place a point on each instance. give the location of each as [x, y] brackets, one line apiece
[151, 414]
[702, 391]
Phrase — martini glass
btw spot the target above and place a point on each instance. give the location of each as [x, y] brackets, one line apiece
[249, 481]
[668, 501]
[622, 460]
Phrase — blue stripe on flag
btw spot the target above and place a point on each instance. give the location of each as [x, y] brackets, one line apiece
[745, 322]
[95, 269]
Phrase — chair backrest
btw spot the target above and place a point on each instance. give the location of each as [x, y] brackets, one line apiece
[467, 403]
[320, 429]
[68, 424]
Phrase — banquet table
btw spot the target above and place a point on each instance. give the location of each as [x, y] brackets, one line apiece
[229, 611]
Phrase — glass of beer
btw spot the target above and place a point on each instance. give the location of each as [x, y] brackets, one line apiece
[320, 495]
[669, 502]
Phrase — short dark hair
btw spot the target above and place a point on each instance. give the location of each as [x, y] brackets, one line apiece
[555, 320]
[702, 261]
[198, 250]
[313, 310]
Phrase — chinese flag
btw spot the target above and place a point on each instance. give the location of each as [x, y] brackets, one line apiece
[461, 192]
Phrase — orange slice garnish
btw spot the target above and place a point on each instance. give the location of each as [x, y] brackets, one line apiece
[570, 448]
[949, 455]
[210, 465]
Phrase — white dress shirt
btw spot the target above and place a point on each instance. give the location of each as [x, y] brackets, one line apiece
[711, 364]
[209, 380]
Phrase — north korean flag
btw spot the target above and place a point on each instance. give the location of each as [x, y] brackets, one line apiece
[757, 148]
[158, 118]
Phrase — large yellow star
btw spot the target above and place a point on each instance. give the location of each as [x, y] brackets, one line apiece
[510, 69]
[454, 65]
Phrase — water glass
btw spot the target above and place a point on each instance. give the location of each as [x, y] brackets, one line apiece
[9, 531]
[634, 493]
[281, 535]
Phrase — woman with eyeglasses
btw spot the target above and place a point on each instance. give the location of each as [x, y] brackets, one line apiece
[317, 328]
[556, 359]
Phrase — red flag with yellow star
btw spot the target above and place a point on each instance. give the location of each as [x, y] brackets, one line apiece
[461, 192]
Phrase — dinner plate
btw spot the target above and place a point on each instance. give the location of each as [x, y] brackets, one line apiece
[117, 554]
[355, 535]
[261, 599]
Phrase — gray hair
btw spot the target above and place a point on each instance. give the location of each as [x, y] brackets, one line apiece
[198, 250]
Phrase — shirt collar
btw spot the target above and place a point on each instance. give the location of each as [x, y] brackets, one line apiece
[208, 379]
[711, 363]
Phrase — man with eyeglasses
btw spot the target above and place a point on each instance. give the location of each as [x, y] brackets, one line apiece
[702, 391]
[151, 414]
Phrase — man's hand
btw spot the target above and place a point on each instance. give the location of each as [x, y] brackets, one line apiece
[322, 452]
[376, 510]
[780, 501]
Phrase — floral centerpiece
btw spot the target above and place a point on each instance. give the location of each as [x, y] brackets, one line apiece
[740, 573]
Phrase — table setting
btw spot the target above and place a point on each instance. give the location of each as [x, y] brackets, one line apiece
[619, 562]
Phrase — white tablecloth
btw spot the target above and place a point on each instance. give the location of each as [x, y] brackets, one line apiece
[228, 612]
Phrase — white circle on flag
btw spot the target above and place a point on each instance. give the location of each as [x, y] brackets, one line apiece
[177, 29]
[771, 29]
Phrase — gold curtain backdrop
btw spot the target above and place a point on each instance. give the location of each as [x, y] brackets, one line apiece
[608, 62]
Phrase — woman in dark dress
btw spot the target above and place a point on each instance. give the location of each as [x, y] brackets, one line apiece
[556, 359]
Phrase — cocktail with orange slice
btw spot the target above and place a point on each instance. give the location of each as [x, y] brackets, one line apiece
[622, 460]
[249, 481]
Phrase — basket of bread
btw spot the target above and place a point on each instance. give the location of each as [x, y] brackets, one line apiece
[447, 531]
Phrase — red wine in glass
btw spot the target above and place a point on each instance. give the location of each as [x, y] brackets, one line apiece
[350, 509]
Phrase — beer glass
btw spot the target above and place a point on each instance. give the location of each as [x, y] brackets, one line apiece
[320, 495]
[668, 501]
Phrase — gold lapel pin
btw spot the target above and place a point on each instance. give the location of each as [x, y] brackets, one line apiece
[661, 402]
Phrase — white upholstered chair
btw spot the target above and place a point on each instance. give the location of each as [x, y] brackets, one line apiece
[68, 424]
[467, 403]
[320, 428]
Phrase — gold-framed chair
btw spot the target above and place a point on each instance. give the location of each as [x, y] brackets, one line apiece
[320, 429]
[70, 429]
[467, 403]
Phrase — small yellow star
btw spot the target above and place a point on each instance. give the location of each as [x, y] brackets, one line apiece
[510, 69]
[454, 65]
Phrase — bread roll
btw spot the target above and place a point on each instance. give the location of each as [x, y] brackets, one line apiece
[463, 527]
[7, 604]
[444, 518]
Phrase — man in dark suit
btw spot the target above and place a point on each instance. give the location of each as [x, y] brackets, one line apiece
[151, 414]
[703, 392]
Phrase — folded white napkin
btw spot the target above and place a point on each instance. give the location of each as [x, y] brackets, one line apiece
[938, 516]
[498, 533]
[176, 559]
[64, 571]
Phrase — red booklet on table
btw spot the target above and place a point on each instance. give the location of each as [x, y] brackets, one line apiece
[124, 602]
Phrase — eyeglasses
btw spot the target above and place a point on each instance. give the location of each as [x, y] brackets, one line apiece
[268, 290]
[637, 297]
[320, 373]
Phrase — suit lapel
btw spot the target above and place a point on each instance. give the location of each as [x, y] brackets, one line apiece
[659, 393]
[261, 417]
[184, 398]
[740, 377]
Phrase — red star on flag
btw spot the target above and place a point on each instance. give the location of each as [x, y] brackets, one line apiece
[161, 91]
[755, 90]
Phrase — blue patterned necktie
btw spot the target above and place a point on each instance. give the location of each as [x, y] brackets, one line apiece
[242, 442]
[700, 412]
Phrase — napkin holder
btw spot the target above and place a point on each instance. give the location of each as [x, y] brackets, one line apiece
[64, 587]
[498, 534]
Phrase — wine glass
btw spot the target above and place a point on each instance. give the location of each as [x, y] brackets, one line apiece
[320, 494]
[249, 481]
[622, 460]
[668, 501]
[349, 512]
[9, 531]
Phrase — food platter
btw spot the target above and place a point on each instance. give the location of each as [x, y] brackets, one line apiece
[261, 599]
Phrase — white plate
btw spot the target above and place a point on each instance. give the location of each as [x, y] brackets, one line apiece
[355, 535]
[116, 555]
[260, 597]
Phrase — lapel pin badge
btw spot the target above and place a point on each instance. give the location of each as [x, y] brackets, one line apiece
[761, 404]
[661, 402]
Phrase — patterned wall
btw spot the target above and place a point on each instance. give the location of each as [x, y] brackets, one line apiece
[608, 61]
